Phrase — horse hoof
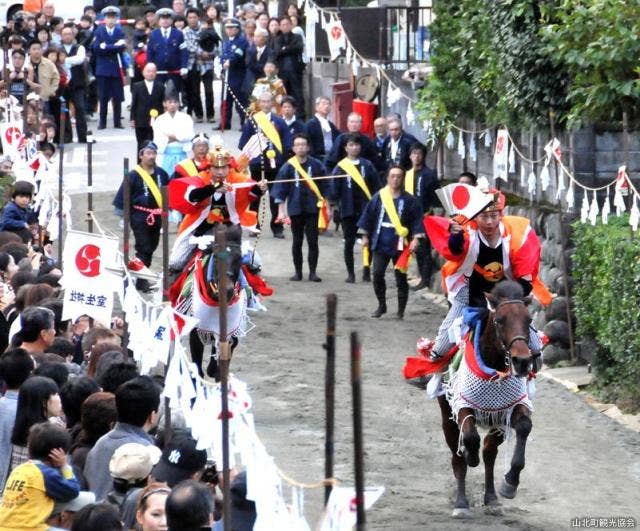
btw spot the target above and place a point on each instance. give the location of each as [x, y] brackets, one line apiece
[507, 491]
[493, 510]
[462, 513]
[491, 501]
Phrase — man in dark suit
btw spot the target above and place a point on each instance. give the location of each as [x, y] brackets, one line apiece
[257, 56]
[380, 130]
[108, 45]
[397, 146]
[287, 50]
[146, 96]
[368, 151]
[271, 165]
[167, 49]
[288, 108]
[321, 131]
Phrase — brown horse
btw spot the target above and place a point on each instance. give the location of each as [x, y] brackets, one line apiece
[504, 347]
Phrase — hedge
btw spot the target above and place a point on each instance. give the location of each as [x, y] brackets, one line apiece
[606, 274]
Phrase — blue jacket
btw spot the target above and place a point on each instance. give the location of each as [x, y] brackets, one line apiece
[349, 195]
[300, 198]
[170, 54]
[425, 185]
[141, 196]
[402, 153]
[14, 217]
[369, 151]
[235, 51]
[248, 130]
[316, 138]
[375, 222]
[107, 59]
[295, 127]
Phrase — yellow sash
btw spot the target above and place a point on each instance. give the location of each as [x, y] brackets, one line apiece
[268, 129]
[408, 181]
[354, 173]
[190, 166]
[151, 184]
[323, 215]
[390, 209]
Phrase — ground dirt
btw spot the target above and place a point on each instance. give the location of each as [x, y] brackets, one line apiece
[579, 462]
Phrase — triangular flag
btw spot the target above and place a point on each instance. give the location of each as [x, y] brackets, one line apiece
[606, 209]
[473, 151]
[545, 179]
[584, 211]
[593, 209]
[634, 215]
[450, 140]
[487, 139]
[531, 183]
[461, 148]
[512, 159]
[570, 197]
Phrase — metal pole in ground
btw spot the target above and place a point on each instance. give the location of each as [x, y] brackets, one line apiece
[358, 450]
[330, 392]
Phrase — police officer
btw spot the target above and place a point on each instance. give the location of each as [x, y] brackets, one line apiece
[234, 52]
[167, 49]
[108, 45]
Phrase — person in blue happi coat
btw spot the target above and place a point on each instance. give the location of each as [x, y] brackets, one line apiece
[352, 194]
[167, 50]
[391, 225]
[108, 45]
[270, 164]
[294, 186]
[233, 57]
[145, 184]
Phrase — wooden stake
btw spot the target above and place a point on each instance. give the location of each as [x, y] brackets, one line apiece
[63, 110]
[330, 391]
[356, 392]
[90, 183]
[223, 360]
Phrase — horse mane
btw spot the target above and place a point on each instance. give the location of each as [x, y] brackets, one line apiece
[508, 290]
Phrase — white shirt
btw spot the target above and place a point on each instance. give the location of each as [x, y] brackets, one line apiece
[259, 52]
[165, 32]
[179, 125]
[149, 85]
[394, 147]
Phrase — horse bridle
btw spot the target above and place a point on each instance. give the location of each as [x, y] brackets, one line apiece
[507, 348]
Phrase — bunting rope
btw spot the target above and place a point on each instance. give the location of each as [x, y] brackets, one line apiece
[519, 153]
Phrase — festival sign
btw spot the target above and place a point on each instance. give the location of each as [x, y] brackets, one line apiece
[336, 37]
[88, 286]
[12, 137]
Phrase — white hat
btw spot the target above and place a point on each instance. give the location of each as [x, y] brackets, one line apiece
[133, 461]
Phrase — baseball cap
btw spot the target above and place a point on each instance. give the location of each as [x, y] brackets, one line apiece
[133, 461]
[83, 499]
[180, 460]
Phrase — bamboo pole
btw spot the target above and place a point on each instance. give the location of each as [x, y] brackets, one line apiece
[126, 234]
[329, 392]
[90, 183]
[168, 428]
[63, 111]
[356, 392]
[223, 358]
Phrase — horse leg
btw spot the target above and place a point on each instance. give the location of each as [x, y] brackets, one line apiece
[489, 453]
[197, 350]
[521, 423]
[451, 433]
[470, 437]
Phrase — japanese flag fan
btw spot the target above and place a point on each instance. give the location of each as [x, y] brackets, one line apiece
[255, 146]
[463, 200]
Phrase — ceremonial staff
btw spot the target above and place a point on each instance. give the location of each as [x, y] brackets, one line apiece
[222, 257]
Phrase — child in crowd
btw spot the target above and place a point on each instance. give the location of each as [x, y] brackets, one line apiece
[270, 83]
[16, 215]
[34, 487]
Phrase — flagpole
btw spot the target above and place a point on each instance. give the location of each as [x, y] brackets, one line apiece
[90, 183]
[168, 429]
[221, 258]
[63, 110]
[126, 230]
[356, 392]
[329, 392]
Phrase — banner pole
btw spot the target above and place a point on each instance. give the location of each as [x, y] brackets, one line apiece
[90, 183]
[329, 392]
[168, 428]
[126, 230]
[356, 392]
[63, 111]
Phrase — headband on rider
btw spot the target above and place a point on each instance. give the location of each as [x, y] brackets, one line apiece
[200, 138]
[149, 145]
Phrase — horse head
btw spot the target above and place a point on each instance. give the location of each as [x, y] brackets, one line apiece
[232, 253]
[510, 321]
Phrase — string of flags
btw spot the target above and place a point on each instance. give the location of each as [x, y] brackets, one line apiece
[339, 43]
[506, 153]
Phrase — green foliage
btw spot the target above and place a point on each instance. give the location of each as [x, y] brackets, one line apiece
[597, 42]
[490, 65]
[606, 274]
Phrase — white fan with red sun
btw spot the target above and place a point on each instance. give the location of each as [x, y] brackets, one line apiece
[462, 199]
